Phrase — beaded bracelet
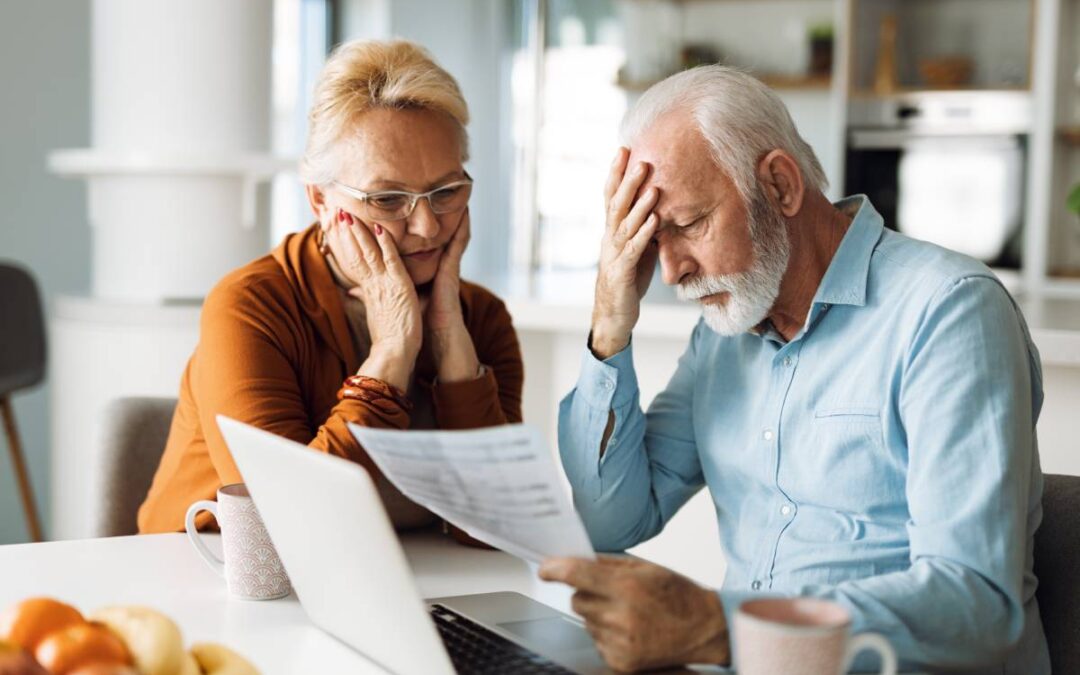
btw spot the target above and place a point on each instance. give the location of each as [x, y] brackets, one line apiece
[375, 392]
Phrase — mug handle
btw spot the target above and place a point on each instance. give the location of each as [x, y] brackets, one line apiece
[875, 642]
[215, 563]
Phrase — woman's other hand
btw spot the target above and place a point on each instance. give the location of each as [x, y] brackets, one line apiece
[369, 259]
[452, 346]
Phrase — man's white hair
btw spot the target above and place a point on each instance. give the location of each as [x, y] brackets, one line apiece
[740, 118]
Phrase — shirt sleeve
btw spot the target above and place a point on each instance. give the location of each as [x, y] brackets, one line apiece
[969, 399]
[650, 467]
[245, 371]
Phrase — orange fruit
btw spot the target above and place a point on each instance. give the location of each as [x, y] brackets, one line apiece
[81, 645]
[28, 622]
[15, 661]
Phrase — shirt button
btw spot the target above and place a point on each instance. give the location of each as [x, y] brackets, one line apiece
[787, 361]
[756, 585]
[607, 384]
[825, 307]
[785, 510]
[767, 434]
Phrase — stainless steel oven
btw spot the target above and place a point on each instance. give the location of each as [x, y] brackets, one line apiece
[948, 167]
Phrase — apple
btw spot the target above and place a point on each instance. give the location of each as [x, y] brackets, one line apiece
[152, 638]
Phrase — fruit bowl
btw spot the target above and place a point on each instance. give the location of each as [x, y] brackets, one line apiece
[43, 636]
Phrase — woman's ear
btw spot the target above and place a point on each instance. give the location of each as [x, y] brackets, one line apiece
[783, 181]
[317, 201]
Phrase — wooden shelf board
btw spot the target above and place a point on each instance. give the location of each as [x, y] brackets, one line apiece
[778, 82]
[786, 82]
[863, 92]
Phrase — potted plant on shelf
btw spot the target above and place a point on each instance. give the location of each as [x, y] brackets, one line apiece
[821, 50]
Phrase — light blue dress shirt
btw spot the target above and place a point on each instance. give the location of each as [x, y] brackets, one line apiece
[885, 458]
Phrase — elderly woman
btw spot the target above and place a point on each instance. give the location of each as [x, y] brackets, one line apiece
[363, 316]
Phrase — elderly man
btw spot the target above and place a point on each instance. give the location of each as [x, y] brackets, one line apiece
[860, 405]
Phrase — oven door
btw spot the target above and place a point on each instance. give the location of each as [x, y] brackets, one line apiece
[963, 192]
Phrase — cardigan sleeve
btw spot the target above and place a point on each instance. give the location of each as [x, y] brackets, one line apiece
[246, 369]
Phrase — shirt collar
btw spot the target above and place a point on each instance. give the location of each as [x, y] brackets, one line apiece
[846, 278]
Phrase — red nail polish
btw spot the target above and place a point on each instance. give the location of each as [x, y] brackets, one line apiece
[340, 215]
[378, 228]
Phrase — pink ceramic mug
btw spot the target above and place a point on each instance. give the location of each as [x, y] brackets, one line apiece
[801, 636]
[251, 567]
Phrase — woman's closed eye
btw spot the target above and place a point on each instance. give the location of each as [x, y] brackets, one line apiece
[388, 201]
[450, 197]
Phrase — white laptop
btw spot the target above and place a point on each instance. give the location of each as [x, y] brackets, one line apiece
[328, 524]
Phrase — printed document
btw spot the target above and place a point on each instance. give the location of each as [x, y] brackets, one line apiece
[499, 484]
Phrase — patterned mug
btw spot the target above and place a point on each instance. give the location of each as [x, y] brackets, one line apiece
[801, 636]
[251, 567]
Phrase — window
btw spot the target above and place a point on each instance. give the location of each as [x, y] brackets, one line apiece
[566, 109]
[300, 45]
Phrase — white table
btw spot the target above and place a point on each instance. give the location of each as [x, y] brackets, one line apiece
[164, 572]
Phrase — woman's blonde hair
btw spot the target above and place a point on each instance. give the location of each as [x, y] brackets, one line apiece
[363, 75]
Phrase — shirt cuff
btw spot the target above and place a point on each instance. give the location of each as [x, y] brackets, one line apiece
[610, 383]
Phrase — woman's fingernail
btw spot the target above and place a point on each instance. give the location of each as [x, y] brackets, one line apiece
[340, 215]
[378, 229]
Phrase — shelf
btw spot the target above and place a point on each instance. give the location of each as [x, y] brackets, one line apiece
[92, 161]
[865, 93]
[1059, 286]
[797, 83]
[774, 81]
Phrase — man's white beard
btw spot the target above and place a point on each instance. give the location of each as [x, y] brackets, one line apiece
[751, 294]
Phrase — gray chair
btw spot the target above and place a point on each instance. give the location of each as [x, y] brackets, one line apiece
[1057, 565]
[22, 365]
[134, 438]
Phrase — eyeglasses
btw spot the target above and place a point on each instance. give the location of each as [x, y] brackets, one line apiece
[399, 204]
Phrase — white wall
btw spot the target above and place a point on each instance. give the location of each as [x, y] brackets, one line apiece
[45, 88]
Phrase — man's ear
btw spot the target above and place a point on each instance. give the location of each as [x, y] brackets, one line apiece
[779, 173]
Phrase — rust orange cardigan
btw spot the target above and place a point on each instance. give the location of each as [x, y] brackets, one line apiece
[274, 348]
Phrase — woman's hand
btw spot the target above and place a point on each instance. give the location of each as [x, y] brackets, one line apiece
[369, 259]
[451, 344]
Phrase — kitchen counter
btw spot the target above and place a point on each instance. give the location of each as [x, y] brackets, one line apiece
[562, 303]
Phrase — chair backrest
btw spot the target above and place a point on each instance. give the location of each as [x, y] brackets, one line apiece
[133, 441]
[22, 330]
[1057, 565]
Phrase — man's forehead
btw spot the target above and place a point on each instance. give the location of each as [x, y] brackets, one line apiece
[674, 147]
[682, 166]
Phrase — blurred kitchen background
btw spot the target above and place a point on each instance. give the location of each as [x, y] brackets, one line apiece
[148, 146]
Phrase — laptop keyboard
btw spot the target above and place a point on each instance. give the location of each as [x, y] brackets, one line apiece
[476, 650]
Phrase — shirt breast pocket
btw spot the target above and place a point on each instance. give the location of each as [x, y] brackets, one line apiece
[847, 428]
[850, 457]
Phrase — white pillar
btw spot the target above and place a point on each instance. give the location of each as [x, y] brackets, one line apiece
[181, 134]
[180, 141]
